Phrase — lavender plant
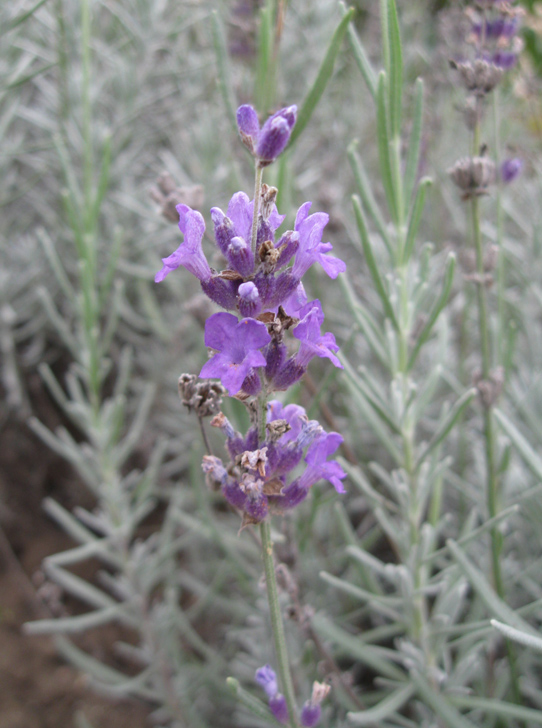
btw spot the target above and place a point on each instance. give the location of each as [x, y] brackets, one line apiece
[399, 621]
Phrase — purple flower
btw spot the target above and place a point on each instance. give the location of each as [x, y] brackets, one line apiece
[319, 467]
[237, 344]
[505, 59]
[310, 715]
[311, 711]
[269, 141]
[238, 221]
[189, 254]
[312, 342]
[292, 413]
[266, 677]
[311, 248]
[247, 121]
[510, 169]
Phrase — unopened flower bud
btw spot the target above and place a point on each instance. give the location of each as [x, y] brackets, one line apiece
[250, 304]
[240, 256]
[275, 135]
[510, 169]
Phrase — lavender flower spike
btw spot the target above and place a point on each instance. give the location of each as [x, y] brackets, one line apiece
[237, 344]
[189, 254]
[311, 249]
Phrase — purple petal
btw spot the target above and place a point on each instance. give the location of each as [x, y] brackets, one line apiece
[220, 328]
[310, 715]
[278, 707]
[190, 253]
[302, 214]
[240, 213]
[266, 677]
[510, 169]
[247, 121]
[295, 302]
[275, 134]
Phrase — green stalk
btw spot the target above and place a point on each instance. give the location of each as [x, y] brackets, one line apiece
[283, 665]
[277, 626]
[492, 483]
[501, 271]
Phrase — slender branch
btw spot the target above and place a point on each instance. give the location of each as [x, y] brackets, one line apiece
[204, 436]
[277, 626]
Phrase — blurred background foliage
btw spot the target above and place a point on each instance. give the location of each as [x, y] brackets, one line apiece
[97, 100]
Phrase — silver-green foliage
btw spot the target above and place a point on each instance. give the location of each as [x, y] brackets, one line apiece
[96, 99]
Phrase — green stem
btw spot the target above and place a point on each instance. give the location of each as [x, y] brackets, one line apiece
[283, 665]
[501, 271]
[489, 436]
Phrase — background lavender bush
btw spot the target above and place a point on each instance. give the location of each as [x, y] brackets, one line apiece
[389, 590]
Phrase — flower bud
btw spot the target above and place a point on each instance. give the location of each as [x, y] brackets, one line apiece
[510, 169]
[240, 256]
[250, 304]
[275, 135]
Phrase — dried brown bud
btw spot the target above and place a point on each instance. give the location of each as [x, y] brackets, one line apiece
[204, 398]
[478, 76]
[489, 390]
[255, 460]
[167, 195]
[473, 175]
[277, 429]
[268, 197]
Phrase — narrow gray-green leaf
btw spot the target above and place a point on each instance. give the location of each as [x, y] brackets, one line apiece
[439, 703]
[74, 625]
[436, 310]
[371, 262]
[362, 61]
[518, 635]
[415, 217]
[364, 321]
[481, 586]
[476, 532]
[384, 709]
[498, 707]
[383, 135]
[532, 460]
[386, 604]
[366, 194]
[265, 72]
[22, 17]
[354, 646]
[223, 69]
[380, 408]
[395, 70]
[447, 425]
[413, 154]
[324, 74]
